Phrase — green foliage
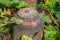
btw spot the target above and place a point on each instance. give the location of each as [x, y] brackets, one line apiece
[46, 19]
[1, 28]
[16, 3]
[57, 8]
[49, 5]
[0, 10]
[21, 4]
[50, 33]
[2, 15]
[15, 20]
[5, 3]
[10, 36]
[4, 20]
[50, 2]
[53, 6]
[57, 36]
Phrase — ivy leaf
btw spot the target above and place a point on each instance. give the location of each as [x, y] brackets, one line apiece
[46, 19]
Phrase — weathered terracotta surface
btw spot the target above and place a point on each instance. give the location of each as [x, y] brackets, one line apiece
[28, 15]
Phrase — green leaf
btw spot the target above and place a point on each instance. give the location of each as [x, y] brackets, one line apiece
[10, 35]
[21, 4]
[15, 20]
[50, 2]
[0, 10]
[57, 6]
[6, 2]
[1, 25]
[50, 32]
[1, 29]
[46, 19]
[5, 20]
[19, 21]
[2, 15]
[16, 1]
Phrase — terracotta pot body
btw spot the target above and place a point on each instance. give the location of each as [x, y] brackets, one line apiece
[32, 23]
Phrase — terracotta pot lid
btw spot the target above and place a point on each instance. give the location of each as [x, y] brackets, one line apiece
[27, 12]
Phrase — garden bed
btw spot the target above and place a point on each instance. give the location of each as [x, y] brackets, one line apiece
[49, 10]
